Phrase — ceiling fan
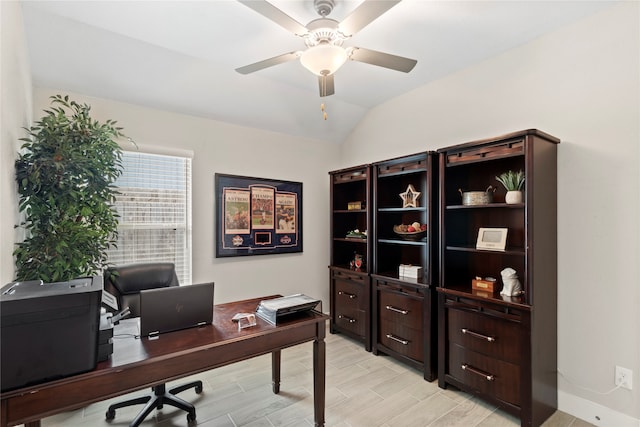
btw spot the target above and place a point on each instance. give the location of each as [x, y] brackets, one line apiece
[324, 38]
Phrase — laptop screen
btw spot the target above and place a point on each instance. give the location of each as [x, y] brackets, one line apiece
[175, 307]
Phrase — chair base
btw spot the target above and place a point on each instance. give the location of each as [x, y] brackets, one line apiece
[156, 400]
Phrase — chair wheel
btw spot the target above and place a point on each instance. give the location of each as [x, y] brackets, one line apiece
[111, 414]
[191, 417]
[198, 389]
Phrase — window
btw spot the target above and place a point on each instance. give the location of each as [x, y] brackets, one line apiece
[154, 205]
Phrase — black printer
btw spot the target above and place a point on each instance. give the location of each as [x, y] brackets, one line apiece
[48, 330]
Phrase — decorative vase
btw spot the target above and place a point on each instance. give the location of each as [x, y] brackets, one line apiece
[513, 197]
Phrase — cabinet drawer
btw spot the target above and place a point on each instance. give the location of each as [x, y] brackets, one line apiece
[351, 319]
[404, 340]
[350, 294]
[400, 309]
[493, 337]
[360, 278]
[488, 375]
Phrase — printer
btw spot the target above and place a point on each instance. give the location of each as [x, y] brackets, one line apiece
[48, 330]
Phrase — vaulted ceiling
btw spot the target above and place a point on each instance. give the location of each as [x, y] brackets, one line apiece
[181, 56]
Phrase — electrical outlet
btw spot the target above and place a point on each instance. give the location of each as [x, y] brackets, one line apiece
[624, 377]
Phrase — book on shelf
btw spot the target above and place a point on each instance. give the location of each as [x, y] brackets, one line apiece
[273, 310]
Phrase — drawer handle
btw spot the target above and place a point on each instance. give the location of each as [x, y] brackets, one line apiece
[351, 296]
[397, 310]
[347, 318]
[396, 339]
[477, 335]
[486, 376]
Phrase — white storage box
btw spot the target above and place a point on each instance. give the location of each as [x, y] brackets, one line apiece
[408, 270]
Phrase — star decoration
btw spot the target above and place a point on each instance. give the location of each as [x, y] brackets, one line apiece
[410, 197]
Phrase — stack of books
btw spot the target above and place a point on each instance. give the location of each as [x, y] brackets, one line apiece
[274, 310]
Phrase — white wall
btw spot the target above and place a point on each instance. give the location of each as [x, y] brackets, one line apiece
[225, 148]
[581, 84]
[15, 113]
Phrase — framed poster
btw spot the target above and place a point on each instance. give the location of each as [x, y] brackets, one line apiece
[257, 216]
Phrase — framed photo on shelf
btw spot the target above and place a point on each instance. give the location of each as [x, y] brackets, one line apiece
[257, 216]
[492, 239]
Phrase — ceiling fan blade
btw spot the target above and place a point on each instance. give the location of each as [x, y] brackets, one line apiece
[363, 15]
[326, 85]
[271, 12]
[381, 59]
[256, 66]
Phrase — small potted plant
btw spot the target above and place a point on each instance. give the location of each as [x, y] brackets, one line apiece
[513, 183]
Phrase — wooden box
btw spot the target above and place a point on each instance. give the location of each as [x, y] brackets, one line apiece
[354, 206]
[484, 285]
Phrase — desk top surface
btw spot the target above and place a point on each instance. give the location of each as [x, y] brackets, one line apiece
[128, 348]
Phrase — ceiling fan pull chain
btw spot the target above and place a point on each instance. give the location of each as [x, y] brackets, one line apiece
[324, 113]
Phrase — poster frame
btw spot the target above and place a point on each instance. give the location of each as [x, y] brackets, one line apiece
[257, 216]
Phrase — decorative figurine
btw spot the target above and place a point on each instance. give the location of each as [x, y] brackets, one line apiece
[410, 197]
[511, 285]
[357, 261]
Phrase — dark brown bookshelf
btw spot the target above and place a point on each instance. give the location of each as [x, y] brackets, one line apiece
[491, 345]
[404, 308]
[350, 289]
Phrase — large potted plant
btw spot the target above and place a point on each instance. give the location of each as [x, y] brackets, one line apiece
[65, 174]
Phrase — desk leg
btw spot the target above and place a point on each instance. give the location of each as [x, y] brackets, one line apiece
[275, 371]
[319, 372]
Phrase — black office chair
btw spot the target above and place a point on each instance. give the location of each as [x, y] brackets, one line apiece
[125, 283]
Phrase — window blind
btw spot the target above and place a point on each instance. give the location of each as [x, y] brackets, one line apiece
[154, 208]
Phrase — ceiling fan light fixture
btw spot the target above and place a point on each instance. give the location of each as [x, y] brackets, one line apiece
[323, 59]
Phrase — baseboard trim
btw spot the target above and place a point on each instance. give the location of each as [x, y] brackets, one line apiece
[594, 413]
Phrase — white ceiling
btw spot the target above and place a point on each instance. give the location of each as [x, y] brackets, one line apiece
[180, 56]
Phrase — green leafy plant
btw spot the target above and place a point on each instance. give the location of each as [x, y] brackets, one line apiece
[512, 181]
[65, 173]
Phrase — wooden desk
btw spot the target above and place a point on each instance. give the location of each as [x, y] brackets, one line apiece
[142, 363]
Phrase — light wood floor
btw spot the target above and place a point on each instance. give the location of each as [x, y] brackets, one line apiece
[363, 390]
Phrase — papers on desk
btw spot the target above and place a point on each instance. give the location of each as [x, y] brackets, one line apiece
[273, 310]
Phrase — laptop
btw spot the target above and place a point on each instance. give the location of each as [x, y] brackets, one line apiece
[174, 308]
